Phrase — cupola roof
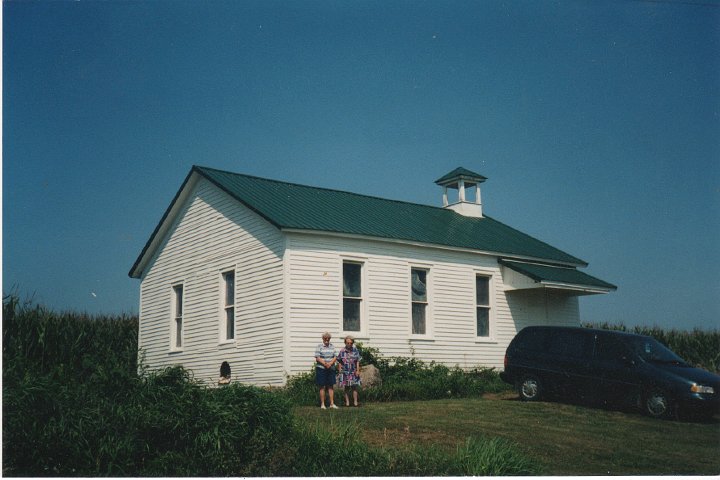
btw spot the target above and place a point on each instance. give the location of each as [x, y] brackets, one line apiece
[460, 173]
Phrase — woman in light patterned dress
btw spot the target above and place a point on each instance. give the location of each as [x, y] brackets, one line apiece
[349, 378]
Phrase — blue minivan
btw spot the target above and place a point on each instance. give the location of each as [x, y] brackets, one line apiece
[610, 367]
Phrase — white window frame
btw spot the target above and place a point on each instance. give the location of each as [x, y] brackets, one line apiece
[490, 306]
[224, 306]
[428, 305]
[362, 333]
[174, 347]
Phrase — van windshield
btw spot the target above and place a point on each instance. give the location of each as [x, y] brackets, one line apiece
[651, 350]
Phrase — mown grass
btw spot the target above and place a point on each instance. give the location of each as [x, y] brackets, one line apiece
[343, 450]
[556, 438]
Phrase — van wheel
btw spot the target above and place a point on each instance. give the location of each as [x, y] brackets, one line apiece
[529, 388]
[657, 404]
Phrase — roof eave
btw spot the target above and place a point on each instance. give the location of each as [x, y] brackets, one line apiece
[555, 284]
[587, 289]
[434, 245]
[149, 248]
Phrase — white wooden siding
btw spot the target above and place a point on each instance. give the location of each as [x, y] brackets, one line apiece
[212, 234]
[314, 296]
[289, 291]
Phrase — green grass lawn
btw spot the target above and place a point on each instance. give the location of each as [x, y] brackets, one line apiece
[564, 439]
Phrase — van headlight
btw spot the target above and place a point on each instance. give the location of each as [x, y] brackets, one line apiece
[701, 389]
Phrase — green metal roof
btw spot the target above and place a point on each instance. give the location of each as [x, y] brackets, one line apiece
[559, 275]
[293, 206]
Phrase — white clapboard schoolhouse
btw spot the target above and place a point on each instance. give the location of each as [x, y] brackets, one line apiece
[247, 273]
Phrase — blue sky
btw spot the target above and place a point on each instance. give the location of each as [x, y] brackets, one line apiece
[597, 124]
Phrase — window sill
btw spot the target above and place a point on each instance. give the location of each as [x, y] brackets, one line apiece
[226, 343]
[175, 351]
[357, 336]
[421, 338]
[488, 340]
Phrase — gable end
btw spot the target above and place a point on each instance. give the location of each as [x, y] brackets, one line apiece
[171, 214]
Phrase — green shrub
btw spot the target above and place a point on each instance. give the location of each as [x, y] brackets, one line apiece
[337, 450]
[406, 378]
[491, 457]
[410, 378]
[301, 389]
[169, 426]
[74, 405]
[188, 429]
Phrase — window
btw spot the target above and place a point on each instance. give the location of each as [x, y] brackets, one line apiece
[610, 350]
[229, 304]
[225, 374]
[419, 294]
[574, 344]
[352, 296]
[177, 330]
[482, 305]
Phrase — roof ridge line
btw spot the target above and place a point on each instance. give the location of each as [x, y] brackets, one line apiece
[320, 188]
[582, 263]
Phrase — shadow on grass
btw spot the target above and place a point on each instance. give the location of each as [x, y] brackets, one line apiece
[614, 407]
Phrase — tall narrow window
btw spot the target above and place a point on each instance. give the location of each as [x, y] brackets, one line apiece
[352, 296]
[418, 287]
[177, 337]
[482, 303]
[229, 301]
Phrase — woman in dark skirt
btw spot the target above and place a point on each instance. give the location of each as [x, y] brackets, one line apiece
[325, 365]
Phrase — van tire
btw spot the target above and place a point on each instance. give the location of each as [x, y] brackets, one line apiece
[657, 404]
[529, 388]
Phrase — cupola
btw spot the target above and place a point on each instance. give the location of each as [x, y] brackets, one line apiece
[467, 184]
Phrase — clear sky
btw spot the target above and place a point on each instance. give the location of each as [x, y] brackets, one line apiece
[597, 124]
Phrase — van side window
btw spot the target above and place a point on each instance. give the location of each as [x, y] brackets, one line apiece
[610, 350]
[570, 344]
